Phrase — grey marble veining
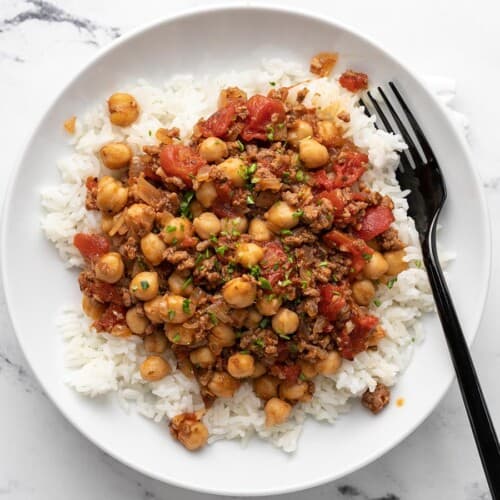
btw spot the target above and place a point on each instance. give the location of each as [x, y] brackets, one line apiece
[41, 455]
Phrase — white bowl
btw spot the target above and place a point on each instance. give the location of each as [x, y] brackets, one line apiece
[37, 284]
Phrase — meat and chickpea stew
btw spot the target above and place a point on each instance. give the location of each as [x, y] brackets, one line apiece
[251, 252]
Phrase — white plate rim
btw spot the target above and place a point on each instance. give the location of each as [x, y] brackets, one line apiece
[186, 13]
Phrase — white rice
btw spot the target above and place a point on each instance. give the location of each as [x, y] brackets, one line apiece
[98, 363]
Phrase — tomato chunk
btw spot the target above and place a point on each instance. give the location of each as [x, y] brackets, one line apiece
[91, 246]
[275, 263]
[354, 81]
[336, 199]
[331, 301]
[358, 249]
[181, 161]
[350, 168]
[322, 180]
[113, 315]
[264, 113]
[377, 220]
[217, 125]
[354, 342]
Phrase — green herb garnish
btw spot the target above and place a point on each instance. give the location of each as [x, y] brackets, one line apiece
[187, 282]
[186, 303]
[270, 132]
[255, 271]
[176, 338]
[323, 263]
[298, 213]
[299, 175]
[367, 257]
[221, 250]
[286, 232]
[264, 283]
[213, 318]
[144, 285]
[391, 282]
[264, 322]
[171, 314]
[272, 84]
[377, 302]
[259, 342]
[241, 146]
[186, 200]
[170, 229]
[250, 200]
[284, 337]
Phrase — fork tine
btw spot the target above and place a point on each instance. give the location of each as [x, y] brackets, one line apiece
[426, 147]
[367, 111]
[412, 148]
[405, 162]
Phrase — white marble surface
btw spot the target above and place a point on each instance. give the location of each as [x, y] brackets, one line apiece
[43, 43]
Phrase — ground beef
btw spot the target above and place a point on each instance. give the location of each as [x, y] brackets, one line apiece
[263, 343]
[318, 216]
[299, 237]
[91, 195]
[389, 240]
[182, 259]
[377, 400]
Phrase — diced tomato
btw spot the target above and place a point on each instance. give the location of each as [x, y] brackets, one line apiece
[264, 113]
[113, 315]
[358, 249]
[91, 246]
[290, 373]
[353, 81]
[350, 167]
[335, 197]
[188, 242]
[322, 181]
[181, 161]
[275, 262]
[150, 173]
[105, 292]
[331, 301]
[217, 125]
[376, 220]
[222, 206]
[91, 183]
[354, 342]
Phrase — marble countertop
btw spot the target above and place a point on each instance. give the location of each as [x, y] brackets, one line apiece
[42, 43]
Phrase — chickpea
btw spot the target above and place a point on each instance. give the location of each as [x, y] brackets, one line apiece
[154, 368]
[363, 292]
[153, 247]
[140, 218]
[395, 261]
[121, 330]
[152, 310]
[202, 357]
[112, 196]
[312, 153]
[156, 342]
[191, 433]
[206, 225]
[268, 305]
[240, 365]
[281, 216]
[180, 284]
[277, 412]
[206, 194]
[293, 391]
[176, 230]
[179, 335]
[240, 292]
[309, 370]
[107, 222]
[249, 254]
[285, 321]
[196, 208]
[299, 130]
[144, 286]
[213, 149]
[109, 267]
[176, 309]
[115, 155]
[233, 170]
[234, 225]
[92, 308]
[136, 321]
[266, 387]
[259, 370]
[222, 336]
[327, 132]
[376, 267]
[123, 109]
[223, 385]
[259, 231]
[231, 95]
[330, 364]
[253, 318]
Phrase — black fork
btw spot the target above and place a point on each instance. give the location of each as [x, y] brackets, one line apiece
[426, 199]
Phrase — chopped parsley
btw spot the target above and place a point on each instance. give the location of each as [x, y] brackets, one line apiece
[186, 304]
[176, 338]
[286, 232]
[144, 285]
[186, 200]
[298, 213]
[377, 302]
[175, 241]
[299, 175]
[170, 229]
[323, 263]
[171, 314]
[270, 133]
[255, 271]
[418, 264]
[284, 337]
[213, 318]
[284, 282]
[391, 282]
[303, 284]
[367, 257]
[244, 352]
[272, 84]
[241, 146]
[302, 377]
[213, 238]
[199, 258]
[259, 342]
[221, 250]
[150, 133]
[250, 200]
[264, 283]
[264, 322]
[187, 282]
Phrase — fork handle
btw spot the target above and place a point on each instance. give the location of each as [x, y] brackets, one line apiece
[477, 410]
